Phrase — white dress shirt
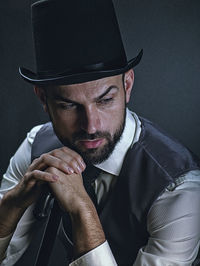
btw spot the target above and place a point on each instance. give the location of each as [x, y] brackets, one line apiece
[173, 220]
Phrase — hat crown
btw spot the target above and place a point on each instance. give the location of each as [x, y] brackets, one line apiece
[76, 41]
[70, 35]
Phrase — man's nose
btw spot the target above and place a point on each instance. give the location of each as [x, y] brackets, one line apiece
[90, 121]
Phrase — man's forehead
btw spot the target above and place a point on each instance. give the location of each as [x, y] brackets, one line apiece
[94, 86]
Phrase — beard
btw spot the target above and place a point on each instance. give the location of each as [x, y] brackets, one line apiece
[99, 154]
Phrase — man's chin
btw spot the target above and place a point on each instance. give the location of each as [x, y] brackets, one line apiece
[94, 155]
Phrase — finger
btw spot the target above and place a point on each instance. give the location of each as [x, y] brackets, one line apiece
[47, 160]
[64, 159]
[31, 178]
[37, 164]
[65, 153]
[72, 158]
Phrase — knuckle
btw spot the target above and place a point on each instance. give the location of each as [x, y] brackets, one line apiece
[72, 161]
[51, 170]
[26, 176]
[54, 152]
[61, 165]
[64, 149]
[35, 160]
[43, 157]
[71, 153]
[35, 173]
[78, 157]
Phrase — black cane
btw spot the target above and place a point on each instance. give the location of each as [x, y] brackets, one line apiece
[50, 231]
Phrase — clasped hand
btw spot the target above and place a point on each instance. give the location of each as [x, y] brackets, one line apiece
[61, 169]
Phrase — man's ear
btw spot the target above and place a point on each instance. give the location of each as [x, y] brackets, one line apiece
[40, 93]
[128, 83]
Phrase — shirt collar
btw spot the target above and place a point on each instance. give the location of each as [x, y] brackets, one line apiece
[129, 136]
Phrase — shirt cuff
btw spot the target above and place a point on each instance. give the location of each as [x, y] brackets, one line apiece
[4, 242]
[99, 256]
[146, 259]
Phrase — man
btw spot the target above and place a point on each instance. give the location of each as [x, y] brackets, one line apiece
[147, 209]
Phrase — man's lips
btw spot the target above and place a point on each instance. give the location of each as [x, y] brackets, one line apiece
[91, 144]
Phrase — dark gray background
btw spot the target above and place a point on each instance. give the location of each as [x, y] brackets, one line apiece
[167, 80]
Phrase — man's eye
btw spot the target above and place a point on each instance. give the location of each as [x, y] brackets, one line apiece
[105, 101]
[67, 106]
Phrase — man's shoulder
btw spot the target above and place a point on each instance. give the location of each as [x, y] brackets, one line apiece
[164, 149]
[44, 141]
[33, 132]
[153, 137]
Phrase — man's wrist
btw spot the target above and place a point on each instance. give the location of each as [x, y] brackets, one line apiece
[101, 256]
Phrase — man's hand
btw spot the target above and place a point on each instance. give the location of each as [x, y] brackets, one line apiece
[15, 202]
[29, 188]
[61, 170]
[69, 191]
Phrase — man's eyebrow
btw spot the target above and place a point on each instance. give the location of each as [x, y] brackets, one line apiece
[106, 92]
[58, 97]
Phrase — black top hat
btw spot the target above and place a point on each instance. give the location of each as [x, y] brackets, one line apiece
[76, 41]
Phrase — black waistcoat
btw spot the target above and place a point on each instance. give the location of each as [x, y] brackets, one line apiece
[153, 163]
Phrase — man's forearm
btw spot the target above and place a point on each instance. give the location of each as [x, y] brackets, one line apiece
[73, 198]
[10, 213]
[87, 230]
[9, 216]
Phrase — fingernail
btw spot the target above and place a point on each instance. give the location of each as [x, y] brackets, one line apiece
[70, 170]
[82, 164]
[55, 177]
[79, 169]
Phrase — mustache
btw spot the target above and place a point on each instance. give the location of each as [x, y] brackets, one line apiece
[84, 135]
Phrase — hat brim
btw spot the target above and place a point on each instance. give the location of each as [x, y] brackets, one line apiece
[66, 79]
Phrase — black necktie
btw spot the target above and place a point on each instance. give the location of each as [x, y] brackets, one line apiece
[89, 176]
